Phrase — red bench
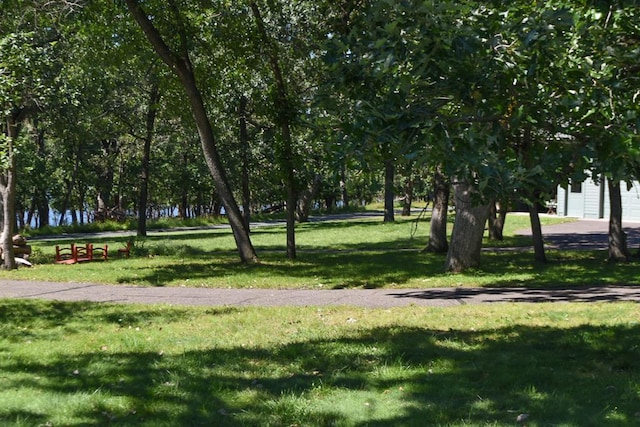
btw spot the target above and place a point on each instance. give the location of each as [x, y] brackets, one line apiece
[81, 253]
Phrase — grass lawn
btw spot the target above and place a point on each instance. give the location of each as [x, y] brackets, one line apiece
[359, 253]
[85, 364]
[81, 364]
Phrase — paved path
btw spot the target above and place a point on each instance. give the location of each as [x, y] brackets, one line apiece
[374, 298]
[580, 234]
[586, 234]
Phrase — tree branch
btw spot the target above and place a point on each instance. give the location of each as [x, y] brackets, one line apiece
[152, 33]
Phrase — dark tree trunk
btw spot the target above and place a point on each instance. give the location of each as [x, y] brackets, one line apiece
[143, 196]
[536, 233]
[182, 66]
[408, 196]
[306, 199]
[466, 239]
[82, 193]
[497, 218]
[389, 193]
[618, 250]
[31, 213]
[329, 202]
[438, 226]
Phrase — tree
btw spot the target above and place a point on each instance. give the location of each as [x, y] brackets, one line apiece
[466, 239]
[386, 60]
[438, 224]
[284, 116]
[604, 101]
[180, 63]
[29, 37]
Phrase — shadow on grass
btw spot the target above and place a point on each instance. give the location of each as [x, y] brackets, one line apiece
[584, 375]
[377, 269]
[341, 269]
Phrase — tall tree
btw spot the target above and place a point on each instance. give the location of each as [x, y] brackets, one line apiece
[179, 61]
[284, 116]
[29, 35]
[605, 105]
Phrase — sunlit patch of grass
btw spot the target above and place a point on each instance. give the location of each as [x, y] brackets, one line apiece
[357, 253]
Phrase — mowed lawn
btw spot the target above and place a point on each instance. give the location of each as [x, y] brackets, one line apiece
[83, 364]
[502, 364]
[357, 253]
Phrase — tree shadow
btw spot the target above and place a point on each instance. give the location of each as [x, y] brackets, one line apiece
[529, 295]
[338, 269]
[581, 375]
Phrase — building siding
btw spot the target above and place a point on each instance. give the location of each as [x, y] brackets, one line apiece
[593, 201]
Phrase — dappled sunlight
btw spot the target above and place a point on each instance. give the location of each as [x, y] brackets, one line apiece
[391, 370]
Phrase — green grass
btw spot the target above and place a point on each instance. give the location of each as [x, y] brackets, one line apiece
[360, 253]
[78, 364]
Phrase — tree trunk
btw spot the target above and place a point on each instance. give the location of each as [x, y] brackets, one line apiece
[343, 187]
[466, 239]
[389, 194]
[292, 200]
[40, 192]
[181, 65]
[106, 176]
[618, 250]
[307, 197]
[8, 191]
[143, 196]
[497, 218]
[438, 225]
[284, 114]
[408, 196]
[536, 233]
[244, 158]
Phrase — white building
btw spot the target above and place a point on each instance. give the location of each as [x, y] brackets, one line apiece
[590, 200]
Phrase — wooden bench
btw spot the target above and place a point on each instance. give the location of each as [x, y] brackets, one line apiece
[81, 253]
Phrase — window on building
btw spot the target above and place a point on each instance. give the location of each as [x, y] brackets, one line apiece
[576, 187]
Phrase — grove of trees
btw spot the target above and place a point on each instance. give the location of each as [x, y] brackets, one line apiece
[151, 108]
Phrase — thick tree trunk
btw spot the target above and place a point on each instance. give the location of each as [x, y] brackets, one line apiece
[143, 196]
[389, 193]
[466, 239]
[536, 233]
[183, 68]
[618, 250]
[438, 226]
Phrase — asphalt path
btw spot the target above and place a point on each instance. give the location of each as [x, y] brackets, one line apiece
[582, 234]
